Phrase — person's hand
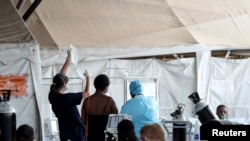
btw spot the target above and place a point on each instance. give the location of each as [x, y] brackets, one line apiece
[69, 54]
[86, 73]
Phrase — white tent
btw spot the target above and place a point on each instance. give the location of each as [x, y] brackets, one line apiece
[19, 56]
[125, 28]
[105, 30]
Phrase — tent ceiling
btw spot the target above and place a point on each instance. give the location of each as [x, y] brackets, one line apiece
[11, 29]
[141, 24]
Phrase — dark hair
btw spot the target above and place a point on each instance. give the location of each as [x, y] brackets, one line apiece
[101, 82]
[126, 131]
[25, 133]
[220, 106]
[59, 81]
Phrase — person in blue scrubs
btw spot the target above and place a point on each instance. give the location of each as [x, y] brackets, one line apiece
[143, 109]
[64, 105]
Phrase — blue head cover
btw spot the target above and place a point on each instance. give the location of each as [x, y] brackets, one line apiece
[135, 87]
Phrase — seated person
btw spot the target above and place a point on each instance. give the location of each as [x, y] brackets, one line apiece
[152, 132]
[25, 133]
[222, 112]
[126, 131]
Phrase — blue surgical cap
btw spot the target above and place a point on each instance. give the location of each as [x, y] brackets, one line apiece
[135, 87]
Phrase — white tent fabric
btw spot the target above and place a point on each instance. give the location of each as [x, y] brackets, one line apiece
[119, 27]
[217, 81]
[19, 55]
[135, 28]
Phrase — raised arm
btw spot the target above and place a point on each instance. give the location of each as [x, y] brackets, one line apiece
[86, 91]
[65, 67]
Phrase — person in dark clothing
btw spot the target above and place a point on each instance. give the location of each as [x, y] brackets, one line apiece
[96, 109]
[25, 133]
[126, 131]
[64, 105]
